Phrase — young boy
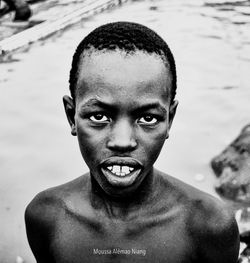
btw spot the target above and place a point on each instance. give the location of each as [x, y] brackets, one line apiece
[123, 84]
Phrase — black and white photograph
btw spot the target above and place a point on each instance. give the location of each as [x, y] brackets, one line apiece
[125, 131]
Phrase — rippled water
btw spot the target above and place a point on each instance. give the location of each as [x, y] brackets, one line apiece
[211, 44]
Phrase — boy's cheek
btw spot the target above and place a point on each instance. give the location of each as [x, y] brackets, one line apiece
[153, 144]
[154, 137]
[90, 143]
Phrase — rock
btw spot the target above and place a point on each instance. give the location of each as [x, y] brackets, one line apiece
[21, 8]
[232, 167]
[242, 217]
[245, 237]
[245, 256]
[23, 13]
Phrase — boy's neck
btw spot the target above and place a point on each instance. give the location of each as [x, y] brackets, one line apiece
[120, 206]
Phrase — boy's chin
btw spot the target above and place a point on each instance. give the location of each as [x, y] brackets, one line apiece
[117, 186]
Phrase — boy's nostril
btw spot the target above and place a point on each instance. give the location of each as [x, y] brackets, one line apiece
[121, 146]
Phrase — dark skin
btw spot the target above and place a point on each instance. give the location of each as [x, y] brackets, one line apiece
[121, 117]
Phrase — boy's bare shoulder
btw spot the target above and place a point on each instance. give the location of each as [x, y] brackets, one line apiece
[207, 211]
[44, 211]
[48, 203]
[215, 230]
[210, 221]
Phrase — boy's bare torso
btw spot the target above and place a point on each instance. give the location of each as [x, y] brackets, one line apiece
[166, 226]
[123, 85]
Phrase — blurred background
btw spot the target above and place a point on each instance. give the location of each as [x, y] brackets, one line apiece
[211, 44]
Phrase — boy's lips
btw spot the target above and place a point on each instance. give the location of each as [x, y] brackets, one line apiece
[121, 171]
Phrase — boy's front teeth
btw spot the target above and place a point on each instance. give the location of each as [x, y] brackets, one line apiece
[120, 170]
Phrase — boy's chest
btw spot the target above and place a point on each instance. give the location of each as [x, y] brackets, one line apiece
[149, 240]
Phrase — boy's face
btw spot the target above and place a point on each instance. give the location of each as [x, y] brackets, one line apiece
[122, 116]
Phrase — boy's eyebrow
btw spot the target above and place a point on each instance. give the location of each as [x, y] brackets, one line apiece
[151, 105]
[97, 103]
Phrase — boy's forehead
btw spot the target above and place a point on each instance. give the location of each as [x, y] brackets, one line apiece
[120, 68]
[109, 57]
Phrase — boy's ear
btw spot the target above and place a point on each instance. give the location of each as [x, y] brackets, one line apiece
[172, 112]
[70, 113]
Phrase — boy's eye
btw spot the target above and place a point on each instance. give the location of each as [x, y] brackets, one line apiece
[147, 119]
[99, 118]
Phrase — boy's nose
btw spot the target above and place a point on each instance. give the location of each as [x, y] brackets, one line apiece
[122, 137]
